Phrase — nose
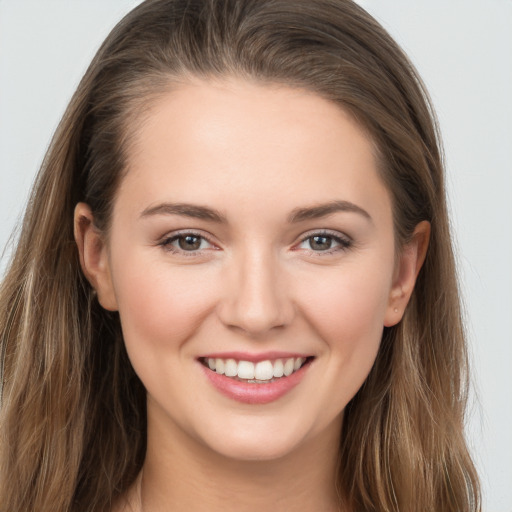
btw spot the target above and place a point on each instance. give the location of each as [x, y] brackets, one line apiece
[256, 298]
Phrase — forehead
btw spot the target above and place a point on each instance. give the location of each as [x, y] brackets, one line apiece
[233, 140]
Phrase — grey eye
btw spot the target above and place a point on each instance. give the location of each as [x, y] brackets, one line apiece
[324, 243]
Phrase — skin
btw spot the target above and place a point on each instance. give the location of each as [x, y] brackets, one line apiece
[256, 154]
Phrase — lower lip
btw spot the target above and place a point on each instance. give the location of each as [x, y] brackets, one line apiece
[255, 393]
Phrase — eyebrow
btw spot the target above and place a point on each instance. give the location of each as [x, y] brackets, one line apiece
[297, 215]
[187, 210]
[322, 210]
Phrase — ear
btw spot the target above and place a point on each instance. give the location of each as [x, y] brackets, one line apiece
[94, 256]
[407, 270]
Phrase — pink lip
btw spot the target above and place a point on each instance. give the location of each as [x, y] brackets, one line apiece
[254, 393]
[254, 358]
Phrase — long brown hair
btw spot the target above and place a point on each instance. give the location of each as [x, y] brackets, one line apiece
[72, 422]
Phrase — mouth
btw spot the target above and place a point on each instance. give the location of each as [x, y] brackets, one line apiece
[261, 372]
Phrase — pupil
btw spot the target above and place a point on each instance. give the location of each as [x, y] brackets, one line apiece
[321, 243]
[189, 242]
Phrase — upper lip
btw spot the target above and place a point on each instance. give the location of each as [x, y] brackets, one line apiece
[254, 357]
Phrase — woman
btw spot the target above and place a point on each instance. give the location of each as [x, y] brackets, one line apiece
[234, 287]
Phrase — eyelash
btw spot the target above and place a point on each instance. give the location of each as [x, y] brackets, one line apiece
[344, 243]
[166, 243]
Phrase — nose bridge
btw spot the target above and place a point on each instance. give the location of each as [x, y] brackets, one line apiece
[256, 297]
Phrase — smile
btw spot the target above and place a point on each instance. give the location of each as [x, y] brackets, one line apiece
[263, 380]
[261, 372]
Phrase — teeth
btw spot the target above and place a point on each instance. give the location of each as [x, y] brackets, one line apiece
[245, 370]
[264, 370]
[231, 368]
[256, 373]
[288, 367]
[219, 366]
[278, 368]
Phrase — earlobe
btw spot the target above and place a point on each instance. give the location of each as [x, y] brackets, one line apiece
[94, 256]
[412, 258]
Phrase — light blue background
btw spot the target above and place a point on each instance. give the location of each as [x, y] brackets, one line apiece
[463, 50]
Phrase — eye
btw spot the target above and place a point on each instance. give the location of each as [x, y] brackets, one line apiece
[324, 243]
[186, 243]
[320, 242]
[190, 242]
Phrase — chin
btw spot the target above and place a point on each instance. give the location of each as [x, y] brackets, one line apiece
[252, 452]
[259, 441]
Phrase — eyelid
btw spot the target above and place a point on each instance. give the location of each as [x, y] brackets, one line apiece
[166, 240]
[344, 241]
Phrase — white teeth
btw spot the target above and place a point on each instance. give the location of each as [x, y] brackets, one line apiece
[264, 370]
[298, 363]
[261, 371]
[278, 368]
[231, 368]
[219, 366]
[288, 367]
[246, 370]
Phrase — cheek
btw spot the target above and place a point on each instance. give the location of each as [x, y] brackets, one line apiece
[158, 304]
[347, 314]
[348, 306]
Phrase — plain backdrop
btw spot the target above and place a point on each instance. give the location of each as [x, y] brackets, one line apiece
[463, 50]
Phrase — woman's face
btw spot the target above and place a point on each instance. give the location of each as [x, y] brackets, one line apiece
[252, 229]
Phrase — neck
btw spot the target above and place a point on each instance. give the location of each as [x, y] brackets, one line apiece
[183, 474]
